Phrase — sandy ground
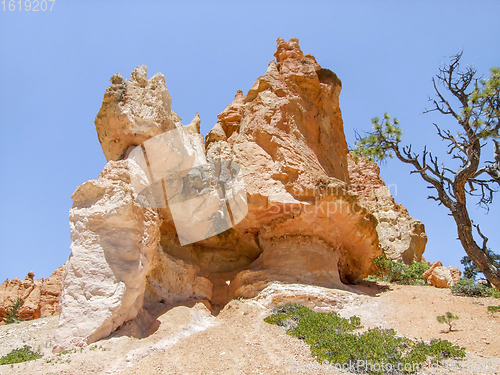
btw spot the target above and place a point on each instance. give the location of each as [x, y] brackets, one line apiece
[238, 341]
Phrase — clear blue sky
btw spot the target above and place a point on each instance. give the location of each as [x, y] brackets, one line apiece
[55, 67]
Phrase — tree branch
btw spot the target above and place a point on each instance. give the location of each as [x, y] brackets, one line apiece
[484, 238]
[413, 160]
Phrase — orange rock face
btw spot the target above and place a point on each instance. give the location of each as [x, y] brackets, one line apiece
[288, 128]
[427, 273]
[305, 224]
[40, 297]
[442, 277]
[288, 138]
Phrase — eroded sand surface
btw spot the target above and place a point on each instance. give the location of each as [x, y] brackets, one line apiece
[238, 341]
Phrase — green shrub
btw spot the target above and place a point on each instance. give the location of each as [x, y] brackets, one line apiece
[448, 318]
[494, 292]
[399, 272]
[382, 265]
[23, 354]
[334, 339]
[12, 315]
[470, 288]
[493, 309]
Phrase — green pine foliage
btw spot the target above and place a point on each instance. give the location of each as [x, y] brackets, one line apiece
[334, 339]
[378, 145]
[12, 314]
[482, 109]
[471, 270]
[448, 318]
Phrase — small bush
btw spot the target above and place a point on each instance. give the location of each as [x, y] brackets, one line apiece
[333, 339]
[494, 292]
[23, 354]
[493, 309]
[448, 318]
[398, 272]
[469, 288]
[12, 315]
[383, 265]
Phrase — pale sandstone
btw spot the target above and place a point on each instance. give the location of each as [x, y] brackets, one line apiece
[133, 111]
[117, 259]
[456, 274]
[113, 239]
[401, 236]
[435, 264]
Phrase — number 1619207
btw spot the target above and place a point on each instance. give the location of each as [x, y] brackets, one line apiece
[27, 5]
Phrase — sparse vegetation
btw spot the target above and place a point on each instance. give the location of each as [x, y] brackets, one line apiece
[470, 288]
[493, 309]
[23, 354]
[333, 339]
[12, 312]
[398, 272]
[67, 351]
[448, 318]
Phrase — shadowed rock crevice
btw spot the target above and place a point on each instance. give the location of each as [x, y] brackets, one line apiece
[328, 77]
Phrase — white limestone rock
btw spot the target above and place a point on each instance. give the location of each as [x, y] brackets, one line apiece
[113, 240]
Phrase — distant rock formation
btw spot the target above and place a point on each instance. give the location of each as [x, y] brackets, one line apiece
[40, 297]
[304, 224]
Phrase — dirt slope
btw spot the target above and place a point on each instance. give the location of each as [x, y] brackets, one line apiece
[238, 341]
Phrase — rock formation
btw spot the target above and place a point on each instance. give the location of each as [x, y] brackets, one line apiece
[401, 236]
[442, 277]
[283, 144]
[40, 297]
[133, 111]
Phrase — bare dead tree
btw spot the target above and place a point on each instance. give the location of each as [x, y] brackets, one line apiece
[478, 117]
